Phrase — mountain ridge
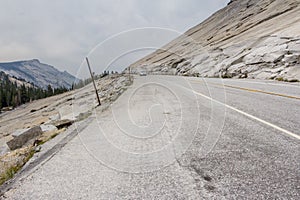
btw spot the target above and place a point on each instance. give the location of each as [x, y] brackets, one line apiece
[38, 73]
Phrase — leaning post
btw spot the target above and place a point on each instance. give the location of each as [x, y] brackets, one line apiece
[98, 98]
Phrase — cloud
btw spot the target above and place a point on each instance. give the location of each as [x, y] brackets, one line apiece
[62, 32]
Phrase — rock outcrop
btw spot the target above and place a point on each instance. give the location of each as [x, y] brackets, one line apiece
[246, 39]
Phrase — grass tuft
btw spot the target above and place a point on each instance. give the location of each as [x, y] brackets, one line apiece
[287, 80]
[14, 168]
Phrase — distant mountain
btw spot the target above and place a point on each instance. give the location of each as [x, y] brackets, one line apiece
[38, 73]
[246, 39]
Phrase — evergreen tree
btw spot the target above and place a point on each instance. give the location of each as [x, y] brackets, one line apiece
[14, 95]
[49, 91]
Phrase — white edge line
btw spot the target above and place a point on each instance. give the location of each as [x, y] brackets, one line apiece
[248, 115]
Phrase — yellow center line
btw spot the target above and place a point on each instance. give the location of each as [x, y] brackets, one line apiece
[253, 90]
[297, 136]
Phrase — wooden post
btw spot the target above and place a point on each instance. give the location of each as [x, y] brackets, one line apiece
[129, 69]
[98, 98]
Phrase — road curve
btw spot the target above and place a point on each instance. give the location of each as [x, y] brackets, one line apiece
[171, 137]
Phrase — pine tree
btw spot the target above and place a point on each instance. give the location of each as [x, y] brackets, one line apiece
[49, 91]
[24, 97]
[14, 95]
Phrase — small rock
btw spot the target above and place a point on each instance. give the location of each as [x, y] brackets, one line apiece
[37, 149]
[37, 142]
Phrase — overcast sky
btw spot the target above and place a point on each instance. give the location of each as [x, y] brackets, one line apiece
[62, 32]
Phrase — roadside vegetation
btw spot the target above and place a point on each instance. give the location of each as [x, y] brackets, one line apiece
[13, 162]
[286, 80]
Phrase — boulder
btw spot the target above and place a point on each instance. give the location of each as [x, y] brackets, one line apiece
[294, 47]
[4, 149]
[293, 73]
[63, 123]
[54, 117]
[264, 75]
[48, 127]
[292, 59]
[19, 132]
[273, 57]
[24, 137]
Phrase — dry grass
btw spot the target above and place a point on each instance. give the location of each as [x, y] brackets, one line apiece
[49, 135]
[286, 80]
[12, 162]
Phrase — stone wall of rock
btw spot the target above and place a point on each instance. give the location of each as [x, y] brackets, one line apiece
[246, 39]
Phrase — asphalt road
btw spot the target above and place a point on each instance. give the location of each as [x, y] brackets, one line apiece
[181, 138]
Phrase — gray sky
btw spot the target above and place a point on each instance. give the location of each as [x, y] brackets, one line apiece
[62, 32]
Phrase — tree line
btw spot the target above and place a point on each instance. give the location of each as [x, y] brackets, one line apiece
[13, 95]
[84, 82]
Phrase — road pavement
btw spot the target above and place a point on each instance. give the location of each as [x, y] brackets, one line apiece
[170, 137]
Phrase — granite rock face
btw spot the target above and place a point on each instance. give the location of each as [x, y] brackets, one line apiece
[246, 39]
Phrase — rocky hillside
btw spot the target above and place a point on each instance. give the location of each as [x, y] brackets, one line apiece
[39, 74]
[246, 39]
[18, 82]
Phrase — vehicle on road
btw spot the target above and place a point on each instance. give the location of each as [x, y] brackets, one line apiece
[143, 73]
